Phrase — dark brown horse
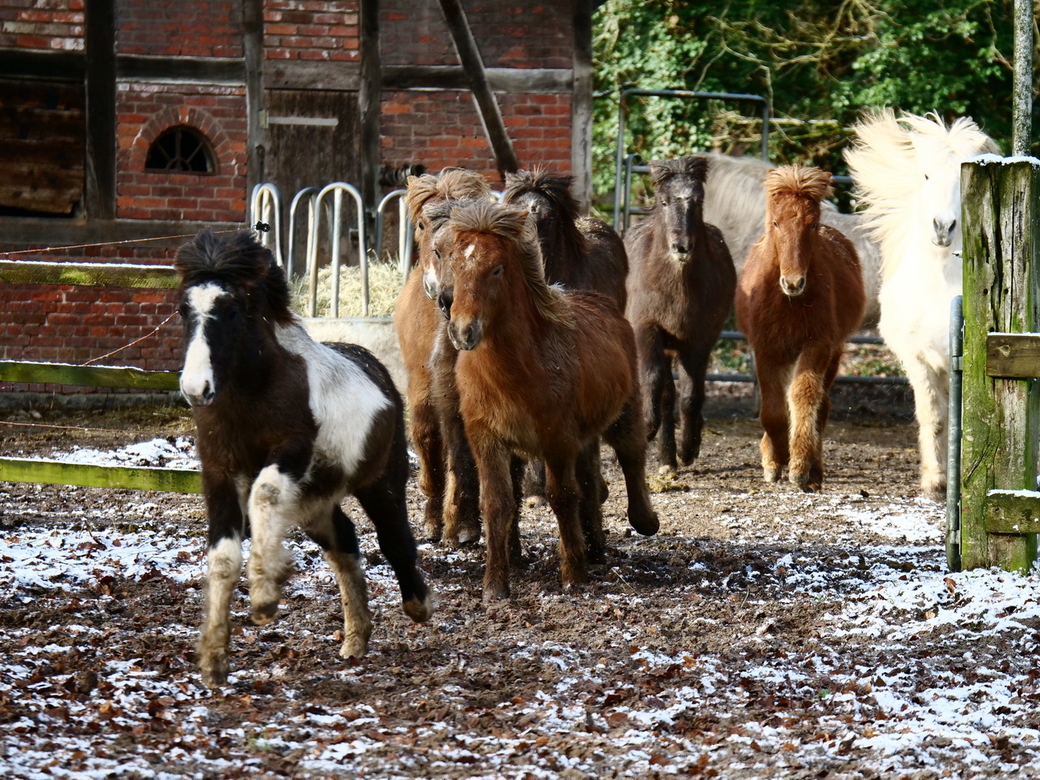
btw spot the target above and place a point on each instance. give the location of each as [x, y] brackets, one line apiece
[800, 297]
[447, 475]
[286, 428]
[680, 291]
[542, 373]
[581, 253]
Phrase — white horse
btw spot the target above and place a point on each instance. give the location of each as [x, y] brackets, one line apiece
[907, 173]
[735, 203]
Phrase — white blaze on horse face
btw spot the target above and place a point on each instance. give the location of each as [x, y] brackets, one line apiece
[198, 383]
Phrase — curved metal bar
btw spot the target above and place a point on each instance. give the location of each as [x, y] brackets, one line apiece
[310, 193]
[338, 188]
[404, 229]
[265, 205]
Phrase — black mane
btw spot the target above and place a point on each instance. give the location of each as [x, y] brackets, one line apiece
[555, 188]
[237, 260]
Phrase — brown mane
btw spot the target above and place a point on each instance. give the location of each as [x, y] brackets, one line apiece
[449, 184]
[514, 225]
[798, 181]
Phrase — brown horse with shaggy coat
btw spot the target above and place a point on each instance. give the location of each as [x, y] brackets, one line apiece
[447, 475]
[542, 372]
[800, 297]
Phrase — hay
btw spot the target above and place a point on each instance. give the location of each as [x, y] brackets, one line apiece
[384, 285]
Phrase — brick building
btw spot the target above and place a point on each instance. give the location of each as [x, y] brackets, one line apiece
[124, 120]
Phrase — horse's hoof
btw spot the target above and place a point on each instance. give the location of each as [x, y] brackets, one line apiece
[468, 534]
[493, 594]
[666, 469]
[264, 614]
[806, 481]
[214, 671]
[934, 488]
[419, 610]
[354, 646]
[645, 523]
[534, 501]
[771, 473]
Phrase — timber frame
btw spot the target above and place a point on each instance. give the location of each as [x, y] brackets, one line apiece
[100, 68]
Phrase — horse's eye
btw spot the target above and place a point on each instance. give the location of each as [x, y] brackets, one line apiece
[420, 225]
[815, 225]
[437, 254]
[776, 225]
[926, 177]
[497, 271]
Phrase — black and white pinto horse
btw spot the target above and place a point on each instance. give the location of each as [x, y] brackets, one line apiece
[286, 427]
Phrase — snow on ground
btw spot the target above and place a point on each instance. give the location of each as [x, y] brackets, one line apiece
[914, 727]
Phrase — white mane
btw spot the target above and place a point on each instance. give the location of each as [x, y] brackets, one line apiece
[886, 161]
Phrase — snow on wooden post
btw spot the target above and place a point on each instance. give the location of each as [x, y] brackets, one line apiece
[1000, 502]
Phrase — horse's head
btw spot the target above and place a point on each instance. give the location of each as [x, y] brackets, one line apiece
[546, 195]
[938, 203]
[488, 248]
[231, 292]
[679, 203]
[793, 196]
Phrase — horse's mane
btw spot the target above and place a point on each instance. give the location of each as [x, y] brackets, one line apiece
[449, 184]
[881, 160]
[555, 187]
[515, 225]
[239, 260]
[690, 165]
[799, 181]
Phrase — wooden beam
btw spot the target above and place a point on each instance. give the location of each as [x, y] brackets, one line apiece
[1013, 512]
[346, 76]
[20, 64]
[50, 472]
[89, 274]
[369, 98]
[1013, 355]
[100, 44]
[88, 376]
[473, 65]
[581, 106]
[256, 134]
[192, 70]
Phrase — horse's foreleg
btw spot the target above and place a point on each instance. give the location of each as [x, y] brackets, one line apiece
[627, 436]
[336, 535]
[807, 401]
[430, 449]
[562, 490]
[223, 568]
[590, 510]
[652, 365]
[691, 403]
[772, 380]
[498, 506]
[272, 497]
[385, 504]
[517, 467]
[666, 440]
[931, 407]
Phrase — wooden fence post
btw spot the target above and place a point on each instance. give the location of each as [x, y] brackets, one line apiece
[1000, 505]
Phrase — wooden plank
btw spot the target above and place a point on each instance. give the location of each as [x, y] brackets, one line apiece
[346, 76]
[1013, 511]
[1013, 355]
[469, 54]
[89, 274]
[87, 376]
[183, 70]
[1001, 417]
[49, 472]
[43, 64]
[369, 100]
[253, 76]
[100, 42]
[581, 106]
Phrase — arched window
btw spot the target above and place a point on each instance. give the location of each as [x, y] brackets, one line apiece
[182, 149]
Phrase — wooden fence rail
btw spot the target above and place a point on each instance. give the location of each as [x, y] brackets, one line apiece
[91, 475]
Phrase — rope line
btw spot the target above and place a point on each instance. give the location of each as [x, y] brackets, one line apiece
[135, 341]
[104, 243]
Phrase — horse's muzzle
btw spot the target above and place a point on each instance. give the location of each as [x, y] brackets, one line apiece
[201, 398]
[464, 337]
[792, 286]
[943, 231]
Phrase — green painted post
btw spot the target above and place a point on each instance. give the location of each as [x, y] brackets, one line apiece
[1001, 431]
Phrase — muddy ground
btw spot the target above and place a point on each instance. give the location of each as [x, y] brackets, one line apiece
[722, 647]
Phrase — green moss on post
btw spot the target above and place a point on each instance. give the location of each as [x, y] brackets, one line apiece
[1001, 420]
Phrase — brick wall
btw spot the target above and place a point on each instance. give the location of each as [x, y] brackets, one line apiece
[311, 30]
[189, 29]
[55, 25]
[443, 128]
[144, 112]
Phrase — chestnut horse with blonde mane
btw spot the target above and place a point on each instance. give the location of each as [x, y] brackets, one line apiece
[447, 475]
[799, 298]
[541, 372]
